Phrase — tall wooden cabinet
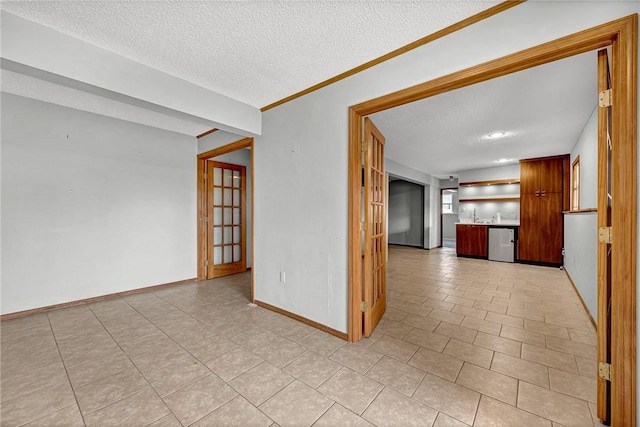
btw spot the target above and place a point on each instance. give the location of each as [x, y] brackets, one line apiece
[544, 193]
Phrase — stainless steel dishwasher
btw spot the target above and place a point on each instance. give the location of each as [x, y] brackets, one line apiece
[502, 244]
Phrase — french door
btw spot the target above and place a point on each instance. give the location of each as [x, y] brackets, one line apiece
[375, 228]
[226, 219]
[605, 200]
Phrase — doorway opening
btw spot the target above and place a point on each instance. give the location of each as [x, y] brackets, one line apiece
[225, 211]
[621, 36]
[448, 217]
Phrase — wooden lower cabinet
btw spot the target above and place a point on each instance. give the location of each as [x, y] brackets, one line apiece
[471, 240]
[541, 229]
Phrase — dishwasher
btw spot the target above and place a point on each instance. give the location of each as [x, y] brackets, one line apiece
[502, 244]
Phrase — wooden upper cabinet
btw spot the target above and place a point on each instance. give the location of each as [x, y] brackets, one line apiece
[542, 175]
[551, 175]
[529, 177]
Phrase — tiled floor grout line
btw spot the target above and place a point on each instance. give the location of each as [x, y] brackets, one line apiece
[134, 365]
[66, 371]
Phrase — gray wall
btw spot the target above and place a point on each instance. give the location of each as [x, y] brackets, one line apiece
[406, 213]
[581, 230]
[91, 205]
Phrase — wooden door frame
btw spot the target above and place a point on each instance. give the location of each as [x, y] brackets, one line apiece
[622, 36]
[201, 209]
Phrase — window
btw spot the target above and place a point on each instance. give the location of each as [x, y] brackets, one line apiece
[447, 202]
[575, 184]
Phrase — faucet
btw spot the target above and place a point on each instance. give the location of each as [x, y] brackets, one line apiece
[474, 215]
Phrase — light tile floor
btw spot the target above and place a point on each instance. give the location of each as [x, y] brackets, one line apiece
[463, 342]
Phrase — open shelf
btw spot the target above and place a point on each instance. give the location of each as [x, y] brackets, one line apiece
[490, 199]
[493, 182]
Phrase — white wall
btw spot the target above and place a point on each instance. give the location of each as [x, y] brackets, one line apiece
[302, 154]
[581, 230]
[91, 205]
[587, 148]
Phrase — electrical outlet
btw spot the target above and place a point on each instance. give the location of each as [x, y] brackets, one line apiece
[283, 277]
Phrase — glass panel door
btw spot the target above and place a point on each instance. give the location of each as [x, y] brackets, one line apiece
[226, 252]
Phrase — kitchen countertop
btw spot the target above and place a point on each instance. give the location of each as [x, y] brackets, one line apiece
[501, 224]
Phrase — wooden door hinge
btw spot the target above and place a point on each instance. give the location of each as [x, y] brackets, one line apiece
[363, 146]
[206, 262]
[363, 226]
[604, 371]
[364, 306]
[205, 176]
[605, 235]
[605, 98]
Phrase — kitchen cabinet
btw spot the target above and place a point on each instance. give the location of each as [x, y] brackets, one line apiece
[543, 194]
[471, 240]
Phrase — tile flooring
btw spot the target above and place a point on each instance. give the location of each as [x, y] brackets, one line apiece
[463, 342]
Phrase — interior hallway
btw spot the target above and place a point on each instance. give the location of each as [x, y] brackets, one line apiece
[463, 342]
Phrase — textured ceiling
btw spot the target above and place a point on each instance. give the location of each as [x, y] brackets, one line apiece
[543, 108]
[257, 52]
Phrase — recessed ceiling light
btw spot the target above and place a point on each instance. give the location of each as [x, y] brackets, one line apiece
[496, 135]
[504, 160]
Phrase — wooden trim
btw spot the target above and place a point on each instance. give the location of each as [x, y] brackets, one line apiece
[541, 159]
[404, 49]
[92, 300]
[253, 225]
[624, 220]
[574, 189]
[301, 319]
[621, 34]
[210, 131]
[491, 199]
[584, 305]
[234, 146]
[355, 251]
[566, 183]
[564, 47]
[581, 211]
[200, 212]
[491, 182]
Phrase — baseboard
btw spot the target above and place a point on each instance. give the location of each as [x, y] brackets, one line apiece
[586, 309]
[304, 320]
[92, 299]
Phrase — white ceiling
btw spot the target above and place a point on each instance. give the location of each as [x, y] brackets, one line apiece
[543, 108]
[261, 51]
[257, 52]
